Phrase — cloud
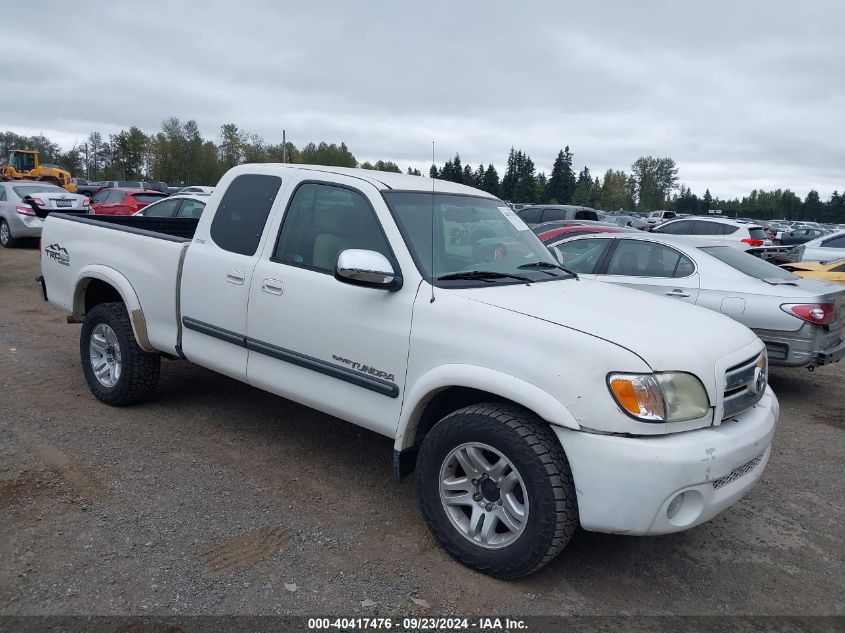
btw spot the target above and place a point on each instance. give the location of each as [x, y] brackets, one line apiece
[741, 94]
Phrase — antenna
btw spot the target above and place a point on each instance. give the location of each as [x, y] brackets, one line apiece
[432, 222]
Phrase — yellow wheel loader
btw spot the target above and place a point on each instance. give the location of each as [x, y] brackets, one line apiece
[24, 164]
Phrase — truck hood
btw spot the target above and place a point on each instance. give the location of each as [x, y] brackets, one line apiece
[666, 333]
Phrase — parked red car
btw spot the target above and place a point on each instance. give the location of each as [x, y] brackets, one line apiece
[553, 236]
[123, 201]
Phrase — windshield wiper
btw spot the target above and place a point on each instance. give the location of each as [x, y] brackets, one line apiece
[481, 275]
[548, 265]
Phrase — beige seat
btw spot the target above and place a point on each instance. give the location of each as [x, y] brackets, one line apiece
[343, 228]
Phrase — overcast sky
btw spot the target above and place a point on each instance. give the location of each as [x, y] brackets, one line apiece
[741, 94]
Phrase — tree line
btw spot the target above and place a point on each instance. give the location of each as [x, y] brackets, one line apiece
[179, 155]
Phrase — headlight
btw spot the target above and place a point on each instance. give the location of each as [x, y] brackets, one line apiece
[663, 397]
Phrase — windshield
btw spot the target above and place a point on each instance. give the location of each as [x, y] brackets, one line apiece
[470, 234]
[748, 264]
[30, 190]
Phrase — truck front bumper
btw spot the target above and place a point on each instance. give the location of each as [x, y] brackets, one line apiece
[668, 483]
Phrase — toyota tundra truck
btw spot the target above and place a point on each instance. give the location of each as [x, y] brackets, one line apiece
[526, 400]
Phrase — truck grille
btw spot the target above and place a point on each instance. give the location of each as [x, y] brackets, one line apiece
[737, 472]
[740, 388]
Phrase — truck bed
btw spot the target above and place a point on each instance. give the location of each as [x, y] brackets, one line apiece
[139, 256]
[173, 229]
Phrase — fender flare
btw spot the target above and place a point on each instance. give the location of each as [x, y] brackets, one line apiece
[504, 385]
[124, 288]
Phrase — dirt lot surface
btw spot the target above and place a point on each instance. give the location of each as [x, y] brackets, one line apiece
[218, 498]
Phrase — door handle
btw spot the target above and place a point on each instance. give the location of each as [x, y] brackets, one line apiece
[235, 277]
[272, 286]
[677, 292]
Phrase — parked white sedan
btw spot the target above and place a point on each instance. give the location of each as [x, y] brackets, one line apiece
[801, 321]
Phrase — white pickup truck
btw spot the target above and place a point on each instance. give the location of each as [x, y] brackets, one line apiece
[527, 400]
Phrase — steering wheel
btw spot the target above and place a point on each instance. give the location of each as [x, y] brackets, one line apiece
[487, 254]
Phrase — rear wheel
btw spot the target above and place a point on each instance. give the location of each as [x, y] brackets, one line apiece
[117, 370]
[496, 490]
[6, 238]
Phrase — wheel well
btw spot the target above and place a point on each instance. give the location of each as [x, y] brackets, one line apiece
[438, 407]
[98, 291]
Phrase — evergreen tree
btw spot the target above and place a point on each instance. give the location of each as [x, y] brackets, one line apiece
[478, 177]
[583, 195]
[490, 182]
[457, 169]
[707, 200]
[525, 187]
[542, 183]
[562, 183]
[812, 208]
[509, 178]
[382, 165]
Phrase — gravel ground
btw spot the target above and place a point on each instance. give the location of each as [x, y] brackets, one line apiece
[217, 498]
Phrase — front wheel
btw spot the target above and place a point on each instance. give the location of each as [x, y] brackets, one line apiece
[117, 370]
[496, 489]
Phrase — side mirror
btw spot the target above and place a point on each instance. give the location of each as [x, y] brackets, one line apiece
[366, 268]
[558, 255]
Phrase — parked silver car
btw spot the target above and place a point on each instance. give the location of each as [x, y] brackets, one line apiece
[801, 321]
[22, 201]
[823, 249]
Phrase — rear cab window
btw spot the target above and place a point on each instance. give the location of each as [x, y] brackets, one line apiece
[554, 215]
[530, 215]
[243, 211]
[586, 215]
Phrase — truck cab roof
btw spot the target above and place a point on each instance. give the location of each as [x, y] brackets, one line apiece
[382, 180]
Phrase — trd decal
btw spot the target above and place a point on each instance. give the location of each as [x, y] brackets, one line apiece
[58, 254]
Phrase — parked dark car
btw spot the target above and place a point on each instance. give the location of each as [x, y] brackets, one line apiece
[800, 236]
[156, 185]
[87, 187]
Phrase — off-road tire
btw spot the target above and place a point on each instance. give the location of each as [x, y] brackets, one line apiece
[9, 242]
[531, 445]
[140, 369]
